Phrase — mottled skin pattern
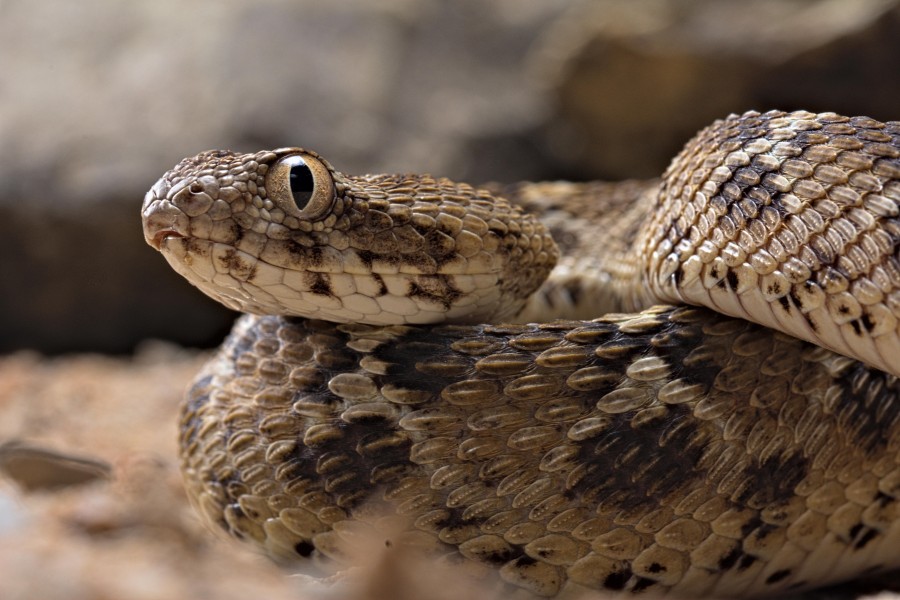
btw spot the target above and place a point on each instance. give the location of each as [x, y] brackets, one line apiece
[675, 450]
[790, 221]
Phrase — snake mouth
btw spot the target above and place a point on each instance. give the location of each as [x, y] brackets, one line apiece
[162, 221]
[161, 236]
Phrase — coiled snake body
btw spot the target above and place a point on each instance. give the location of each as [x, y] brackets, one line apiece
[672, 450]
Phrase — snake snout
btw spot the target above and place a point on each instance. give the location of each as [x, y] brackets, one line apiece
[163, 220]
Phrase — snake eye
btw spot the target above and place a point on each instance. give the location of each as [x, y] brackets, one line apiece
[301, 186]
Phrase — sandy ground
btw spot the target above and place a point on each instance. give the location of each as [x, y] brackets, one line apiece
[130, 532]
[91, 503]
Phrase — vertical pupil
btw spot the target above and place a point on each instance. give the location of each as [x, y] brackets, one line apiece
[302, 184]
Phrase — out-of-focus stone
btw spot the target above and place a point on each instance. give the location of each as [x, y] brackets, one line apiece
[36, 468]
[99, 99]
[634, 79]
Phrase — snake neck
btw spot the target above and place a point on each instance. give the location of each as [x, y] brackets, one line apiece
[596, 226]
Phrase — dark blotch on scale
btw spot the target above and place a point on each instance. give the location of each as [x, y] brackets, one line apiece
[353, 484]
[667, 469]
[319, 283]
[863, 540]
[778, 576]
[617, 580]
[868, 406]
[416, 346]
[642, 584]
[732, 279]
[764, 491]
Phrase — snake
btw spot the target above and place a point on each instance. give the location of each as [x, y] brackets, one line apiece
[681, 386]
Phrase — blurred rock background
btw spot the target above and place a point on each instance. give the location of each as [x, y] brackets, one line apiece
[99, 98]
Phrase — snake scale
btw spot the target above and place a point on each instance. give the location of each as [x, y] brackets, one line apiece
[741, 438]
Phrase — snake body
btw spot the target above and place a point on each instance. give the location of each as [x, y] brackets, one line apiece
[746, 451]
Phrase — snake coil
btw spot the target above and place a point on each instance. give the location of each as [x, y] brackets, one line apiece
[746, 448]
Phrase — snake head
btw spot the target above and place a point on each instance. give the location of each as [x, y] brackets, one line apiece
[283, 232]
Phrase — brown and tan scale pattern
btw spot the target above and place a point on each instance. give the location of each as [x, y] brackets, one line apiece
[673, 450]
[676, 450]
[790, 220]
